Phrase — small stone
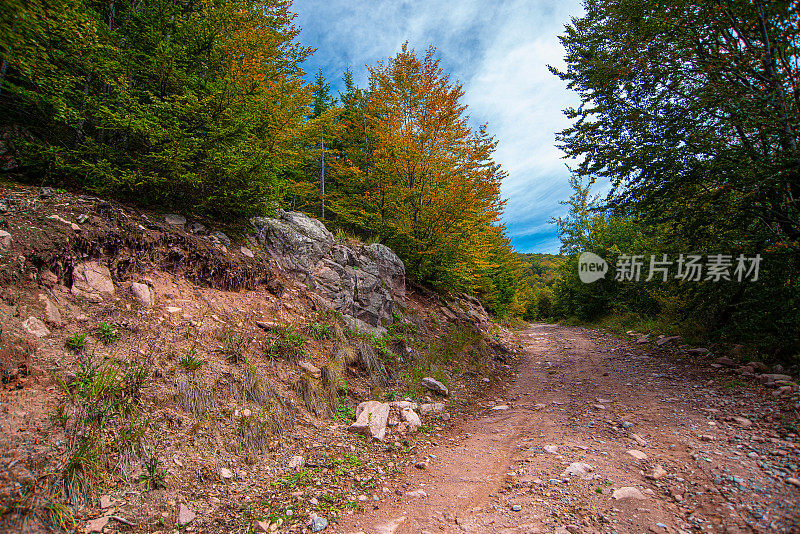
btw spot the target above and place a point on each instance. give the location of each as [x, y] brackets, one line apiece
[310, 368]
[247, 252]
[578, 469]
[552, 449]
[793, 481]
[500, 407]
[639, 455]
[143, 294]
[412, 419]
[35, 327]
[658, 472]
[46, 192]
[222, 238]
[435, 386]
[198, 228]
[261, 526]
[626, 424]
[51, 312]
[5, 240]
[97, 525]
[628, 493]
[174, 219]
[225, 473]
[516, 508]
[296, 462]
[318, 524]
[598, 407]
[185, 516]
[743, 422]
[417, 494]
[105, 501]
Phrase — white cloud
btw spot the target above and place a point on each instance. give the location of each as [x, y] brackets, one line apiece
[500, 54]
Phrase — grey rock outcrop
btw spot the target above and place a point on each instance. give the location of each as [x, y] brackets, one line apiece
[365, 282]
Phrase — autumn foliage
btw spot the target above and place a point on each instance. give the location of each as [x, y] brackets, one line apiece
[204, 107]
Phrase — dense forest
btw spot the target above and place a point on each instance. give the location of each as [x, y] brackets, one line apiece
[689, 113]
[204, 107]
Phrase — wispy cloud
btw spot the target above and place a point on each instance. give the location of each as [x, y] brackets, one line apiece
[500, 54]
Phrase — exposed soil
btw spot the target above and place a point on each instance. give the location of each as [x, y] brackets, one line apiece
[595, 398]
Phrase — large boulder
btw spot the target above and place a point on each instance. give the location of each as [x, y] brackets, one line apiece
[365, 282]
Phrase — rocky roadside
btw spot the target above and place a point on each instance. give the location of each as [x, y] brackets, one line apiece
[161, 376]
[598, 434]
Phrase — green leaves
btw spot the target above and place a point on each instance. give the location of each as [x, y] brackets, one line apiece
[190, 105]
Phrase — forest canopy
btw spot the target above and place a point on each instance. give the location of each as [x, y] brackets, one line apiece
[204, 107]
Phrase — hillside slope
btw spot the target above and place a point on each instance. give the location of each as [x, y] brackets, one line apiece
[157, 374]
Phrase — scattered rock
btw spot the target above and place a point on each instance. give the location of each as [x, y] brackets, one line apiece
[628, 493]
[97, 525]
[174, 219]
[793, 481]
[296, 462]
[105, 501]
[774, 377]
[310, 368]
[742, 421]
[552, 449]
[185, 515]
[578, 469]
[47, 278]
[417, 494]
[643, 339]
[260, 526]
[639, 455]
[372, 420]
[500, 407]
[5, 240]
[35, 327]
[225, 473]
[435, 386]
[247, 252]
[516, 508]
[431, 408]
[91, 280]
[411, 417]
[727, 362]
[143, 294]
[197, 228]
[360, 327]
[669, 339]
[222, 238]
[51, 312]
[658, 472]
[318, 524]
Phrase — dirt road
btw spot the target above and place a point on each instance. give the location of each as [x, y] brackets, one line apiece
[601, 435]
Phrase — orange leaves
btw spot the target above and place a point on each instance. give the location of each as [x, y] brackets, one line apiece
[426, 181]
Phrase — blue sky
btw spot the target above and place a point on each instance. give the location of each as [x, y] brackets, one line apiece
[500, 55]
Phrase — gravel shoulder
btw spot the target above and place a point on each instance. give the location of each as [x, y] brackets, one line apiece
[598, 434]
